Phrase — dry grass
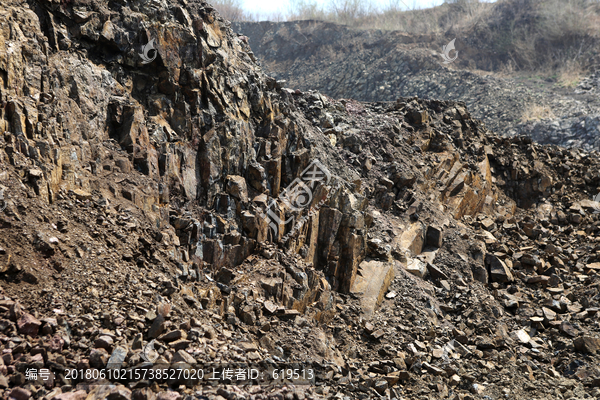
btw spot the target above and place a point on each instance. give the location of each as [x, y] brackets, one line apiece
[446, 17]
[536, 112]
[571, 74]
[231, 10]
[558, 37]
[367, 14]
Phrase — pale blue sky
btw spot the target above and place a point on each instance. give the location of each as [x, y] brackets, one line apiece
[271, 6]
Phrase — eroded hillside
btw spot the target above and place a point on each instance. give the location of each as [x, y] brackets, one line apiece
[374, 65]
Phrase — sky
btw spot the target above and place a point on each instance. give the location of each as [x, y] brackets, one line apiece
[273, 6]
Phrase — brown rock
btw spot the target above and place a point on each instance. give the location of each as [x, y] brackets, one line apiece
[3, 381]
[183, 356]
[480, 274]
[378, 334]
[20, 394]
[549, 315]
[270, 307]
[381, 386]
[436, 273]
[393, 378]
[437, 353]
[587, 344]
[433, 236]
[104, 342]
[399, 363]
[417, 267]
[236, 186]
[143, 394]
[119, 393]
[538, 279]
[180, 344]
[173, 335]
[28, 325]
[168, 396]
[488, 224]
[77, 395]
[568, 329]
[417, 117]
[158, 326]
[532, 260]
[16, 311]
[433, 369]
[521, 336]
[98, 358]
[499, 272]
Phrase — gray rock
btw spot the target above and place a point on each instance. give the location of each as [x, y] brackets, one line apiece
[117, 358]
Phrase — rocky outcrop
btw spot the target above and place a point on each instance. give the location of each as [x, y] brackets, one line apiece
[200, 124]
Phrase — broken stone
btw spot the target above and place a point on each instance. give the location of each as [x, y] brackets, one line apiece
[548, 314]
[587, 344]
[522, 336]
[499, 272]
[183, 357]
[117, 358]
[104, 342]
[432, 369]
[98, 358]
[236, 186]
[119, 393]
[20, 394]
[436, 273]
[157, 327]
[173, 335]
[568, 329]
[433, 237]
[488, 224]
[170, 395]
[417, 267]
[75, 395]
[28, 325]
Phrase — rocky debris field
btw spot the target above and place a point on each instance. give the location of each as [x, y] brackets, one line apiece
[143, 227]
[378, 65]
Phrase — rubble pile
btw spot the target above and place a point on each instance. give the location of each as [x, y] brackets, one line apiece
[147, 222]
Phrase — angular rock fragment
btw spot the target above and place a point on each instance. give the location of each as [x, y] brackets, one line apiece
[236, 186]
[417, 267]
[499, 272]
[28, 325]
[587, 344]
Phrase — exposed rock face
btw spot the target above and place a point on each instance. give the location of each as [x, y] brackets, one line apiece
[150, 215]
[199, 122]
[378, 65]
